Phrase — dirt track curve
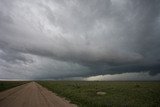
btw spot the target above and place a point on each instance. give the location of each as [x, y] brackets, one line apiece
[31, 95]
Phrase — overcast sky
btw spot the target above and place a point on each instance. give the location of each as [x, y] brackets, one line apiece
[91, 39]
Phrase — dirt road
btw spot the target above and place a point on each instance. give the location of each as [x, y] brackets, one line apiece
[31, 95]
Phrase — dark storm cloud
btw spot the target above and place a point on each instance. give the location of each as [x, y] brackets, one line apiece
[59, 38]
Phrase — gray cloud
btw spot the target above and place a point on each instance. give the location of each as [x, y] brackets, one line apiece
[79, 37]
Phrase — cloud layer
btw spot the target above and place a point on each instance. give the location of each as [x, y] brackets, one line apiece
[59, 38]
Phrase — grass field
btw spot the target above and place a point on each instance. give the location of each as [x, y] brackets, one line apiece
[4, 85]
[118, 94]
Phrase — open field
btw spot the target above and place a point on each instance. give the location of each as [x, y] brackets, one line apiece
[121, 94]
[4, 85]
[82, 93]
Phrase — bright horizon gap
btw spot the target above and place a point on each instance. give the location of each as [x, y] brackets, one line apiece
[80, 39]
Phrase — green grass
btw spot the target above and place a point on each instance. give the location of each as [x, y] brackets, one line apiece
[118, 94]
[4, 85]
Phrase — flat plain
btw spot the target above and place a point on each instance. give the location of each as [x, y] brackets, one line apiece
[4, 85]
[116, 94]
[80, 93]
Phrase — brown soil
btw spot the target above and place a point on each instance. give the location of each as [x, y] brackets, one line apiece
[31, 95]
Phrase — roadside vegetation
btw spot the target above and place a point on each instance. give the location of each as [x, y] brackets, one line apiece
[4, 85]
[107, 94]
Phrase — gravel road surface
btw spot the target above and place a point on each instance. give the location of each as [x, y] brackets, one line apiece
[31, 95]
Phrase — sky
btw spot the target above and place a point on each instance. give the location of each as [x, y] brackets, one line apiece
[80, 39]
